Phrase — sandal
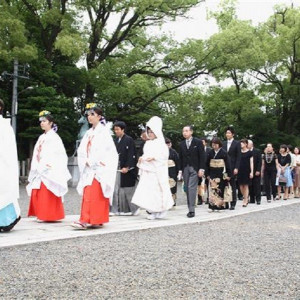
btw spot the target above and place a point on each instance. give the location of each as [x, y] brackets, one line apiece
[79, 225]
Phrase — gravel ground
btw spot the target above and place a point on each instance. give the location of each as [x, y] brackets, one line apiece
[254, 256]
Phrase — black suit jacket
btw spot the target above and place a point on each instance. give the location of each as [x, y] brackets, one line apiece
[127, 159]
[194, 156]
[256, 160]
[234, 153]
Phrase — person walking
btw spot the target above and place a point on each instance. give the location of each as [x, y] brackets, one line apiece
[246, 171]
[217, 162]
[97, 162]
[126, 174]
[191, 166]
[9, 175]
[233, 148]
[255, 187]
[49, 175]
[297, 173]
[153, 190]
[173, 167]
[284, 177]
[269, 171]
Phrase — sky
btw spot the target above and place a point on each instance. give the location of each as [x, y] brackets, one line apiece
[197, 26]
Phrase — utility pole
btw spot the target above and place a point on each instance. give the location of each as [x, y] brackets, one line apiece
[14, 105]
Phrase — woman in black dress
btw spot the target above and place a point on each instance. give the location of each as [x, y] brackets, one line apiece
[284, 177]
[245, 171]
[217, 162]
[269, 171]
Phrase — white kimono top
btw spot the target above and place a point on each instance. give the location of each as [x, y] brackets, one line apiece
[49, 165]
[9, 169]
[98, 158]
[153, 191]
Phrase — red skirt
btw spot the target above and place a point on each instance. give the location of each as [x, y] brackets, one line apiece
[95, 207]
[45, 205]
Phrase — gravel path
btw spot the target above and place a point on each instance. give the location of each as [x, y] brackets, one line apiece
[255, 256]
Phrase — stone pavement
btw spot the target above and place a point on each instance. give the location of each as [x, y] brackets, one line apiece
[28, 231]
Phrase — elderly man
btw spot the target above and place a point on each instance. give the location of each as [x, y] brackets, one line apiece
[191, 165]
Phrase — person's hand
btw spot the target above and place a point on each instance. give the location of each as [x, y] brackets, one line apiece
[235, 171]
[149, 159]
[124, 170]
[227, 178]
[179, 176]
[257, 173]
[251, 175]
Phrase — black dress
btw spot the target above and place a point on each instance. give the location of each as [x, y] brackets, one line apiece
[244, 170]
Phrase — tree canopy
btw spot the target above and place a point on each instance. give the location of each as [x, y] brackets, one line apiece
[102, 51]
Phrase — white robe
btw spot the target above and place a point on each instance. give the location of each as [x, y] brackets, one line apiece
[9, 168]
[153, 190]
[100, 162]
[52, 168]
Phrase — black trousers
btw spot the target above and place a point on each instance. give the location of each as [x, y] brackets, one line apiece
[255, 190]
[270, 183]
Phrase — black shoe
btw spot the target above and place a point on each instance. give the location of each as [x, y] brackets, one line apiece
[232, 208]
[258, 202]
[191, 214]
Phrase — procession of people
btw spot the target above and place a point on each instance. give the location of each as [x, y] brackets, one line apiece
[116, 179]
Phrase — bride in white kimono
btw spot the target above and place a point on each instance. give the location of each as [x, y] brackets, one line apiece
[49, 175]
[9, 176]
[153, 191]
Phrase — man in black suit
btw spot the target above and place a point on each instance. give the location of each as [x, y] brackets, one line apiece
[191, 166]
[255, 187]
[126, 174]
[233, 149]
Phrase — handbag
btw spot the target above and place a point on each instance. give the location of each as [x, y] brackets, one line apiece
[228, 193]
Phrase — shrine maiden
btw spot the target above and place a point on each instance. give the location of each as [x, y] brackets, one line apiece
[98, 162]
[49, 173]
[9, 175]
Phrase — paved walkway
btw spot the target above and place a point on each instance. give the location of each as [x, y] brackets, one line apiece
[28, 231]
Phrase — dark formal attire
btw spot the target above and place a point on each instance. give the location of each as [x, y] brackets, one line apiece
[270, 173]
[215, 164]
[200, 198]
[255, 188]
[125, 183]
[173, 167]
[233, 149]
[191, 160]
[243, 176]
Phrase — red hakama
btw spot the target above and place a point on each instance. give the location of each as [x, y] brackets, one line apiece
[95, 207]
[45, 205]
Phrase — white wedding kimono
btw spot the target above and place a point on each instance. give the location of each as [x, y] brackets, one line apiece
[153, 190]
[49, 165]
[98, 150]
[9, 174]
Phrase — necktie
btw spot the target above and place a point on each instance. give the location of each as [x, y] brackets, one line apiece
[188, 143]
